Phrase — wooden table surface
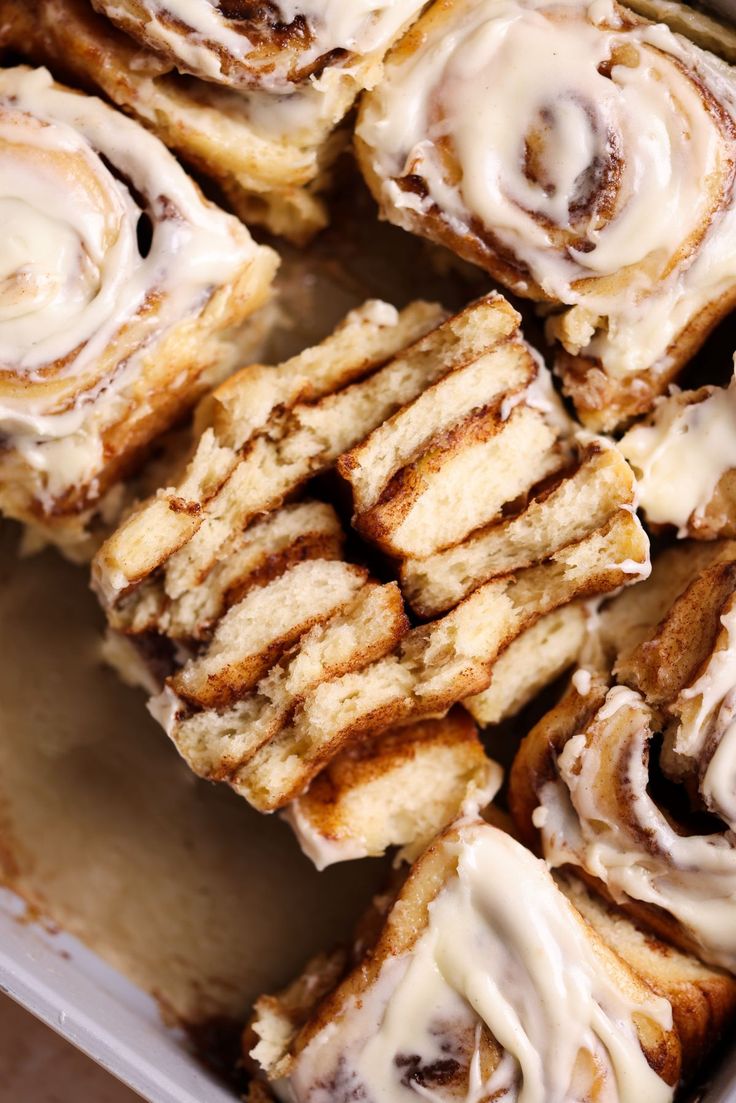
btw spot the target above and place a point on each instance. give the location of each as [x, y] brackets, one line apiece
[38, 1066]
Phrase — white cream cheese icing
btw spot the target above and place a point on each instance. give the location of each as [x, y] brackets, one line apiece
[681, 456]
[72, 276]
[602, 157]
[581, 680]
[635, 850]
[356, 26]
[503, 950]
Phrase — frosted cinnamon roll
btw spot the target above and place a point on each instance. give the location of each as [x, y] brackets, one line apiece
[655, 825]
[583, 156]
[482, 982]
[269, 45]
[684, 455]
[118, 281]
[272, 83]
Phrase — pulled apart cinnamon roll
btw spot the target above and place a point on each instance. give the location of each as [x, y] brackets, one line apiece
[397, 790]
[586, 158]
[118, 280]
[270, 83]
[286, 663]
[481, 481]
[483, 981]
[684, 456]
[633, 779]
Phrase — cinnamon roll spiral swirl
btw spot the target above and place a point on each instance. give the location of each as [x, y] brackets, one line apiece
[271, 45]
[660, 836]
[116, 284]
[586, 158]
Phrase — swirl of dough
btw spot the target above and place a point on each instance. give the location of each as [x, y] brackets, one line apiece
[582, 155]
[113, 267]
[662, 841]
[272, 45]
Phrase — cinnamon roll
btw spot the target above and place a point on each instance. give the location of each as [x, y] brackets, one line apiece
[118, 284]
[281, 616]
[435, 665]
[481, 477]
[482, 981]
[591, 785]
[586, 158]
[684, 456]
[269, 45]
[398, 790]
[271, 83]
[283, 668]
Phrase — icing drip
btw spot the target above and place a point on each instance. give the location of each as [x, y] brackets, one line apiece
[519, 964]
[681, 457]
[600, 155]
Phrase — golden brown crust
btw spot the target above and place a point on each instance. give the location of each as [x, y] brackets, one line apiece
[535, 762]
[635, 613]
[671, 656]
